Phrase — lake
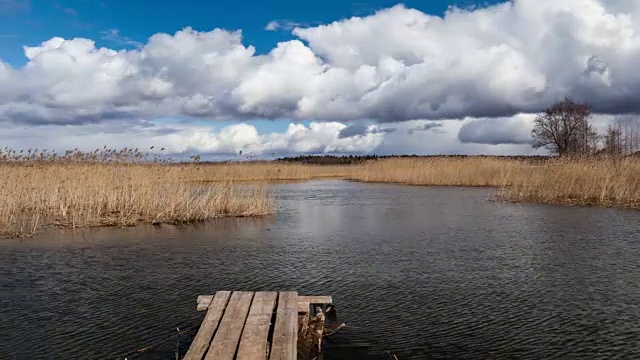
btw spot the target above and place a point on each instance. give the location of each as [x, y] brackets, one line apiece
[422, 272]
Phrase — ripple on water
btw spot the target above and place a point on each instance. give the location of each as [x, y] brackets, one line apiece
[425, 273]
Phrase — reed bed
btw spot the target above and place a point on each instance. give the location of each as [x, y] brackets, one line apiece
[258, 172]
[595, 182]
[36, 194]
[481, 172]
[613, 182]
[600, 181]
[39, 190]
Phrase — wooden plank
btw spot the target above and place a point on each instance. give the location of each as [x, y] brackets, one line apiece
[303, 307]
[209, 325]
[253, 343]
[323, 300]
[225, 342]
[203, 302]
[285, 332]
[204, 298]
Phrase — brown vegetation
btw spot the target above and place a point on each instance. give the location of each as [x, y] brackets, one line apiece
[478, 171]
[595, 181]
[83, 190]
[256, 172]
[75, 191]
[592, 181]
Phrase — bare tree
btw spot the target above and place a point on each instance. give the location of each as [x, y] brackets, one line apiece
[613, 140]
[623, 136]
[564, 128]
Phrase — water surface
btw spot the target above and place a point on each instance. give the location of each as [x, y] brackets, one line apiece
[425, 273]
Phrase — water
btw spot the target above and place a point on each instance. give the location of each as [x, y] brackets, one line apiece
[425, 273]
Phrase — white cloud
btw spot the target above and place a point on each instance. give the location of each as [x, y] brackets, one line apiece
[273, 26]
[282, 25]
[180, 138]
[491, 136]
[441, 138]
[177, 137]
[495, 131]
[490, 67]
[395, 65]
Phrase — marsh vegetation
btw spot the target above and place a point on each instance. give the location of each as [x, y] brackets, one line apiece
[40, 189]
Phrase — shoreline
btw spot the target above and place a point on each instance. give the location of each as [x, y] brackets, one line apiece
[35, 197]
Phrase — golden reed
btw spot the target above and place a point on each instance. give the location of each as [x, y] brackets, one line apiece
[121, 188]
[74, 191]
[595, 182]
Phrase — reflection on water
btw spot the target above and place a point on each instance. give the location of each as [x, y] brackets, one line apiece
[426, 273]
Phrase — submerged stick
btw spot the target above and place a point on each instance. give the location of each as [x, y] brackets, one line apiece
[335, 330]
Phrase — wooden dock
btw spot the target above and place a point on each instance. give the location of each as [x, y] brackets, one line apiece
[247, 325]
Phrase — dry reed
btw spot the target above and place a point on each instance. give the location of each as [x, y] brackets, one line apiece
[68, 192]
[121, 188]
[594, 182]
[440, 171]
[256, 172]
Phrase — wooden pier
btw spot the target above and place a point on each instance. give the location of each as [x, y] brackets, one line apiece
[247, 325]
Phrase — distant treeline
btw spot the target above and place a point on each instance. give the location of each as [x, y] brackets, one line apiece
[358, 159]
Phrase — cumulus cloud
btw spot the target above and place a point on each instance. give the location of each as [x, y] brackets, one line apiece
[494, 131]
[363, 129]
[395, 65]
[424, 127]
[181, 138]
[444, 141]
[353, 130]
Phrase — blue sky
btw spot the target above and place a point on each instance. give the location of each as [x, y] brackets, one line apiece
[29, 22]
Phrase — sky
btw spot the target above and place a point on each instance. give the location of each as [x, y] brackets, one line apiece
[281, 78]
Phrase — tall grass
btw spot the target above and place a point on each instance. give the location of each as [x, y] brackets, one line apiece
[256, 172]
[75, 192]
[106, 187]
[475, 171]
[593, 182]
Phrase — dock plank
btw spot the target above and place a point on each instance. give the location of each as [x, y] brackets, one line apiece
[225, 341]
[204, 298]
[253, 343]
[303, 307]
[285, 332]
[209, 325]
[323, 300]
[303, 301]
[203, 302]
